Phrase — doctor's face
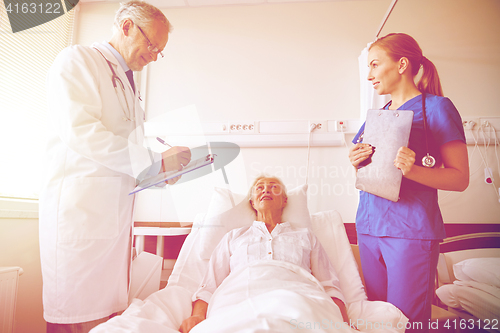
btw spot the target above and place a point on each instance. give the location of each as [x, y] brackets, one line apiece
[138, 52]
[383, 71]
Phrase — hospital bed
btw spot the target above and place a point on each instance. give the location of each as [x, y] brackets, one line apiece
[469, 280]
[287, 309]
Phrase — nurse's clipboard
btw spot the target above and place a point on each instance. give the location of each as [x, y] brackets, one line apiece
[165, 176]
[387, 131]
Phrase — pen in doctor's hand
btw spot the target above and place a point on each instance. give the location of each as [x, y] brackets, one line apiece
[163, 142]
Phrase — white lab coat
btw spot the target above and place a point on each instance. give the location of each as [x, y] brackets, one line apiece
[86, 214]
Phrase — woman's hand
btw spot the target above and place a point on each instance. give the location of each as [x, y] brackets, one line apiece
[189, 323]
[359, 153]
[405, 159]
[198, 315]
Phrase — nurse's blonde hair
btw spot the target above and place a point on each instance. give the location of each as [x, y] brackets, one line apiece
[141, 13]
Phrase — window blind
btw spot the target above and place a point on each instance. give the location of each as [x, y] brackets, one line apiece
[25, 58]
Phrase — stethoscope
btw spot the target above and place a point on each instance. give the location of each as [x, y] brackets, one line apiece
[115, 79]
[428, 160]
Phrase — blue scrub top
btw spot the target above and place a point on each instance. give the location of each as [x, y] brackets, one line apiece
[416, 215]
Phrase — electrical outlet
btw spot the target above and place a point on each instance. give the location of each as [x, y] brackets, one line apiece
[242, 127]
[340, 125]
[469, 124]
[318, 126]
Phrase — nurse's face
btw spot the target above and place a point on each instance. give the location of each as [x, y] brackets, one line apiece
[137, 54]
[383, 71]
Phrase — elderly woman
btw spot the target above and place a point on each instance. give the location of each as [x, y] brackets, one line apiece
[267, 239]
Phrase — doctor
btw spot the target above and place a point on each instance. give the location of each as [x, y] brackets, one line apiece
[94, 155]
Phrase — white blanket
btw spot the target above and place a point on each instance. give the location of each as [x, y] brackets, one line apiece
[270, 296]
[275, 296]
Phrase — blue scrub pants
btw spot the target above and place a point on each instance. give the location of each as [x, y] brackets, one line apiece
[402, 272]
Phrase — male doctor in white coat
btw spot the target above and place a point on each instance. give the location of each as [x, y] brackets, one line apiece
[94, 156]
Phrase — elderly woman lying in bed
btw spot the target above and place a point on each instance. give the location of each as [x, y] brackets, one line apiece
[268, 255]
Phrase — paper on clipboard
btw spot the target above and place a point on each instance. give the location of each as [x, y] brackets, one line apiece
[165, 176]
[387, 131]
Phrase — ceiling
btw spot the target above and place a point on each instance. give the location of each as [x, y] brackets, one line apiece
[200, 3]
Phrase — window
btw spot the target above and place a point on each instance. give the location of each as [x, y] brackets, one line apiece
[25, 58]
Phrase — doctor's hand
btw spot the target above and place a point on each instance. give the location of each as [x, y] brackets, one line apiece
[405, 159]
[359, 153]
[175, 158]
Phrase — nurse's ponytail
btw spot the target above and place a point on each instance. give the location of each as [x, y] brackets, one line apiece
[398, 45]
[429, 82]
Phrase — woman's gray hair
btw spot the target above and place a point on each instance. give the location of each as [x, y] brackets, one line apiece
[141, 13]
[250, 192]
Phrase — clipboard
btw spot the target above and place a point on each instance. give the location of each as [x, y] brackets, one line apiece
[387, 131]
[165, 176]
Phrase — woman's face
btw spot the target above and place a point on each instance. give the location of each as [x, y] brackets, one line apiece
[268, 194]
[384, 72]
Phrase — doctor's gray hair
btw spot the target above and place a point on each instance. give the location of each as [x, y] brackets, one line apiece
[141, 13]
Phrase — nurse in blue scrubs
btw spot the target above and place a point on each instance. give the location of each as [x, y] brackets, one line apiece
[399, 241]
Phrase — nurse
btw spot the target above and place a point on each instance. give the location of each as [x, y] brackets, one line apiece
[399, 241]
[94, 155]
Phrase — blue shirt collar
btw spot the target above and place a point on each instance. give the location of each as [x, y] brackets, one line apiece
[117, 55]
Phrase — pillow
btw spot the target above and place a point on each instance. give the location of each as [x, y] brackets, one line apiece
[446, 294]
[330, 230]
[222, 216]
[482, 270]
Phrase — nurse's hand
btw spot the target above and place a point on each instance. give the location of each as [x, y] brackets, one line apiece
[359, 153]
[175, 158]
[405, 159]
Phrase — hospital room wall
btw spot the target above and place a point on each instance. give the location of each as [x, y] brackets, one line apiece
[300, 61]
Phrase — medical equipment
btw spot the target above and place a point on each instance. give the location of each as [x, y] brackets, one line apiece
[427, 161]
[488, 173]
[488, 176]
[121, 97]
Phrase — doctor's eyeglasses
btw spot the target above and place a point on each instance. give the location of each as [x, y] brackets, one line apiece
[151, 47]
